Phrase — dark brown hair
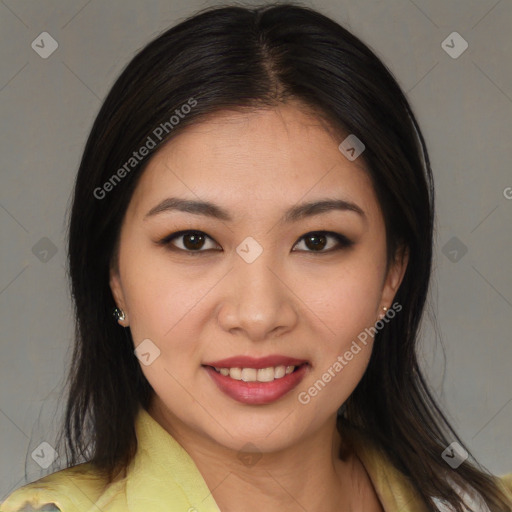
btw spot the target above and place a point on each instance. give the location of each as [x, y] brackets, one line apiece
[253, 58]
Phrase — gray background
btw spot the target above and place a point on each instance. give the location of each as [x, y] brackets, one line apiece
[464, 107]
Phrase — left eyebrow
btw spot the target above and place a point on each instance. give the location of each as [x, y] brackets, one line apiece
[293, 214]
[322, 206]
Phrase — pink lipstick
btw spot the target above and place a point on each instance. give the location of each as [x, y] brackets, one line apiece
[257, 381]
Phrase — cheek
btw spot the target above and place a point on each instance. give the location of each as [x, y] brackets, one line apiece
[345, 299]
[164, 304]
[344, 305]
[346, 315]
[167, 305]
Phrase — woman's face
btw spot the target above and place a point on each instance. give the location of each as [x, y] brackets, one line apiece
[250, 284]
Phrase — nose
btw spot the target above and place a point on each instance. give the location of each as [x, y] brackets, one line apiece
[258, 303]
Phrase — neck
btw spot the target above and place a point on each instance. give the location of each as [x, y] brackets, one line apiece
[309, 476]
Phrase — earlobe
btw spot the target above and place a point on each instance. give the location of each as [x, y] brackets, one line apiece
[120, 313]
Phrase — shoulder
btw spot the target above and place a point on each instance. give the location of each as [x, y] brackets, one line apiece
[506, 482]
[70, 489]
[396, 491]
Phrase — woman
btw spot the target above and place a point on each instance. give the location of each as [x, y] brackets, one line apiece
[255, 204]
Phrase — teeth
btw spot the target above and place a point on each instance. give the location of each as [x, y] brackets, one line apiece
[249, 374]
[265, 375]
[254, 375]
[235, 373]
[279, 372]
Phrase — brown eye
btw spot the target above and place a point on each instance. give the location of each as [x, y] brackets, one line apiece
[189, 241]
[317, 241]
[193, 241]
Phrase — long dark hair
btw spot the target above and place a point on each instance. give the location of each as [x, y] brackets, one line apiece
[252, 58]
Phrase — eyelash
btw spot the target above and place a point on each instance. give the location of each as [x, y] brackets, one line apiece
[343, 241]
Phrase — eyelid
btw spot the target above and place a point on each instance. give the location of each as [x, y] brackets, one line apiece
[166, 240]
[343, 241]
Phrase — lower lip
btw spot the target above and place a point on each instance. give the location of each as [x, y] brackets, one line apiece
[257, 393]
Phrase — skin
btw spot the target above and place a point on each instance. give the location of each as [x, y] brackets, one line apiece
[291, 301]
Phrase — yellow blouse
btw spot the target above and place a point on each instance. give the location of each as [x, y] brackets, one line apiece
[163, 478]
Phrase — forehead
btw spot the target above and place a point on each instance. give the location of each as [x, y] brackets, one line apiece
[265, 160]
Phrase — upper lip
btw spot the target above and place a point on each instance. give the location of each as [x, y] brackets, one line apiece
[256, 362]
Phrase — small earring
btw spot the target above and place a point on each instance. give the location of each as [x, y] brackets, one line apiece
[382, 315]
[118, 314]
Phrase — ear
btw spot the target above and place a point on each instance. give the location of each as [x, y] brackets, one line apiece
[117, 292]
[394, 276]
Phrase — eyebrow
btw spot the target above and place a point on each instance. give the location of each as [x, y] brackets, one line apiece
[293, 214]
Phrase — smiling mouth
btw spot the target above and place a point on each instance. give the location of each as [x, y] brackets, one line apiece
[268, 374]
[257, 386]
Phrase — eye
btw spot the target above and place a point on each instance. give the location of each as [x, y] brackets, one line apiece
[318, 240]
[192, 242]
[315, 241]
